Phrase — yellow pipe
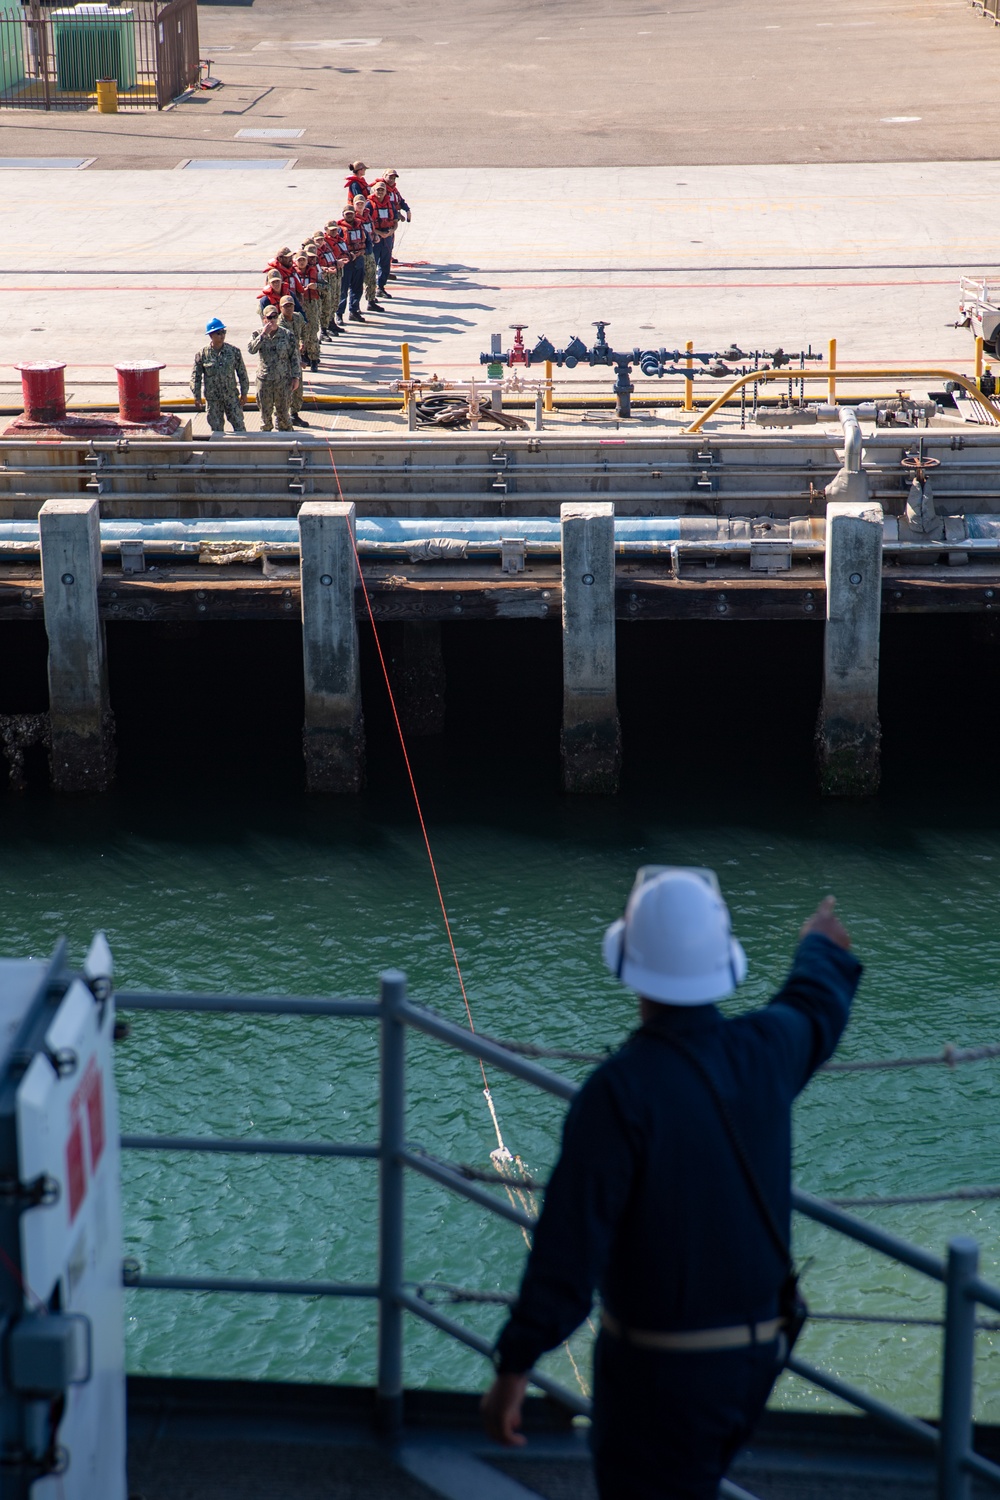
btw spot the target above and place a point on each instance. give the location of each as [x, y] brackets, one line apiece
[689, 383]
[979, 358]
[890, 371]
[547, 402]
[832, 362]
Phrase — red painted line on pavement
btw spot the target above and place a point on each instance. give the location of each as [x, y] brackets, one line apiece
[533, 286]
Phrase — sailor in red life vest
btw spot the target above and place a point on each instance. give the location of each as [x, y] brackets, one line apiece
[305, 290]
[334, 237]
[383, 226]
[282, 263]
[356, 183]
[363, 215]
[329, 264]
[353, 279]
[399, 205]
[274, 290]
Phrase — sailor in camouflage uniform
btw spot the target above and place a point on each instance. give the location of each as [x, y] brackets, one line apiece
[279, 372]
[294, 323]
[220, 370]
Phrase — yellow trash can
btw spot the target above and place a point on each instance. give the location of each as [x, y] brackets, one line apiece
[107, 96]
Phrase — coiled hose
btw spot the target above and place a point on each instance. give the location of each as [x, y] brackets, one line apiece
[440, 410]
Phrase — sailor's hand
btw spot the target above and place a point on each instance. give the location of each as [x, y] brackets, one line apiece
[199, 405]
[825, 921]
[501, 1409]
[295, 385]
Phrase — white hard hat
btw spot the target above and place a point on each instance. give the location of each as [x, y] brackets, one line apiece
[675, 942]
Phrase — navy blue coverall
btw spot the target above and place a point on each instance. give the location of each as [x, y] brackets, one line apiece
[648, 1206]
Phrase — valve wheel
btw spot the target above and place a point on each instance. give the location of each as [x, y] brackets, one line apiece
[909, 462]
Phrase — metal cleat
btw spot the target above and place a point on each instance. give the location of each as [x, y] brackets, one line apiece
[133, 557]
[513, 551]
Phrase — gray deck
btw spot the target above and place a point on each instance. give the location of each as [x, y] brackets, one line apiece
[205, 1440]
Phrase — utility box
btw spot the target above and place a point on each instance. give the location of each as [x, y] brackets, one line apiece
[12, 73]
[62, 1396]
[92, 42]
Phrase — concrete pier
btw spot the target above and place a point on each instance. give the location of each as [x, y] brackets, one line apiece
[848, 736]
[82, 746]
[333, 735]
[591, 736]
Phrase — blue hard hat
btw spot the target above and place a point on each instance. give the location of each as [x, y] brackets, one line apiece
[215, 326]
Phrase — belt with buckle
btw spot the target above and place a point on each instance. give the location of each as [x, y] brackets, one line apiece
[739, 1336]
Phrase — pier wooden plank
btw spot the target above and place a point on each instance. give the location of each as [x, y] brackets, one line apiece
[755, 598]
[243, 594]
[939, 594]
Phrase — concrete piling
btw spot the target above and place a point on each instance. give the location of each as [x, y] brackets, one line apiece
[333, 736]
[591, 736]
[82, 745]
[848, 736]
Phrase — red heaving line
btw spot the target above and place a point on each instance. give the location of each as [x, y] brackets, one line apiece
[413, 784]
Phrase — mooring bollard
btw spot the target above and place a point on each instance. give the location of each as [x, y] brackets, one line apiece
[43, 386]
[139, 391]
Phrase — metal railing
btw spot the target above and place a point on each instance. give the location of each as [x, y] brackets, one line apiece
[53, 60]
[951, 1439]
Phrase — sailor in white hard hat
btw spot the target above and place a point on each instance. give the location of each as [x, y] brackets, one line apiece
[672, 1196]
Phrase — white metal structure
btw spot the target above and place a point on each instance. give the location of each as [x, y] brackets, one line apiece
[62, 1406]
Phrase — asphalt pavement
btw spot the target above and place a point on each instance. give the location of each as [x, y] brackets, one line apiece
[563, 83]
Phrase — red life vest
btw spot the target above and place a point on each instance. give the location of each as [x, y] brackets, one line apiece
[356, 184]
[305, 284]
[337, 246]
[396, 198]
[355, 238]
[383, 214]
[272, 296]
[283, 271]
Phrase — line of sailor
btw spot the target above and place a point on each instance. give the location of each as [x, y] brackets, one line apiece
[348, 258]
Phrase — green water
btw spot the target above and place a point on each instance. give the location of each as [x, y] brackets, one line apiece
[240, 894]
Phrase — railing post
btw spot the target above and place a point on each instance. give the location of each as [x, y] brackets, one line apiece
[954, 1481]
[392, 1115]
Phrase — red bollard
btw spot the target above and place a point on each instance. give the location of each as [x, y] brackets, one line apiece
[44, 388]
[139, 392]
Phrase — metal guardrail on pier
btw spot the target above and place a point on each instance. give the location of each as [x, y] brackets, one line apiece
[951, 1438]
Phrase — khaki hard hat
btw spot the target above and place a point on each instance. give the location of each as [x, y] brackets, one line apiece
[271, 312]
[274, 276]
[287, 302]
